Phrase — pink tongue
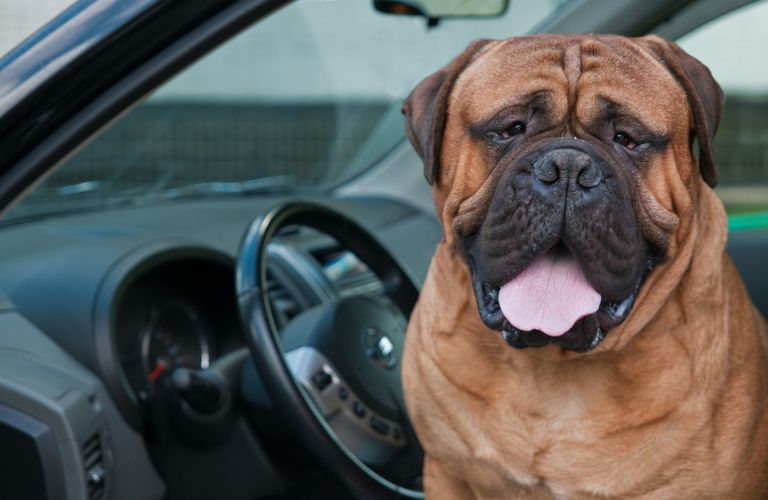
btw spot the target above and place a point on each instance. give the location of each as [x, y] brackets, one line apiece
[550, 295]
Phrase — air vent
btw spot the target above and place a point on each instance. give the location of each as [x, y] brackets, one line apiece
[364, 283]
[350, 276]
[93, 463]
[284, 306]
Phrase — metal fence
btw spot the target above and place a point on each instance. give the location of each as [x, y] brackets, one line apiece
[177, 144]
[209, 142]
[192, 142]
[742, 141]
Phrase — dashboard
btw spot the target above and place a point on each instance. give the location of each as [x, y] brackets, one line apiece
[98, 309]
[129, 295]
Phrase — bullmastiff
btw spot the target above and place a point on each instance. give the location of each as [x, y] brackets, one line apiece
[581, 332]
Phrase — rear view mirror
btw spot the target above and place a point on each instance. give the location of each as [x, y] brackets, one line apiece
[437, 9]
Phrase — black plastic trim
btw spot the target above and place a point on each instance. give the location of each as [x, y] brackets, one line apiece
[39, 435]
[579, 16]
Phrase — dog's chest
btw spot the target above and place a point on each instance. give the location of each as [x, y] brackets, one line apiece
[523, 441]
[549, 436]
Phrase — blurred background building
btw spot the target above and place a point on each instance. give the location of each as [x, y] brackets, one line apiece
[314, 94]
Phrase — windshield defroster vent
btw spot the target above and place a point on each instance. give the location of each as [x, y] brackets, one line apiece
[365, 283]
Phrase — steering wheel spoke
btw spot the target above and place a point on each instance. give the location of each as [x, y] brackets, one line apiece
[317, 378]
[370, 436]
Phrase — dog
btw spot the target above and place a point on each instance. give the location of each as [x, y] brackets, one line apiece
[581, 332]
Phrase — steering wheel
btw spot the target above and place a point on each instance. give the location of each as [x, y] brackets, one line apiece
[333, 373]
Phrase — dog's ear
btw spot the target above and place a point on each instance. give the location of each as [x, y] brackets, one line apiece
[705, 98]
[425, 109]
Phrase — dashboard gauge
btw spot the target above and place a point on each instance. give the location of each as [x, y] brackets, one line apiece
[158, 333]
[175, 337]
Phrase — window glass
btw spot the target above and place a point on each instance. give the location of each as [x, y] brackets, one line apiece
[20, 18]
[734, 47]
[305, 99]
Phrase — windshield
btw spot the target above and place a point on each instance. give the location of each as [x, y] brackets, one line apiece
[21, 19]
[304, 100]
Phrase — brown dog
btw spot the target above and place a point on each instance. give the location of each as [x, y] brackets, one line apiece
[581, 332]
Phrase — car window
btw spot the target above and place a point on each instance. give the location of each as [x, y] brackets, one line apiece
[734, 47]
[19, 19]
[306, 99]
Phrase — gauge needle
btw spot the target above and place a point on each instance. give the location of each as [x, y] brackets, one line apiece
[158, 370]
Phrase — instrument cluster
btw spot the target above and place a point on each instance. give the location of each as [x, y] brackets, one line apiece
[181, 314]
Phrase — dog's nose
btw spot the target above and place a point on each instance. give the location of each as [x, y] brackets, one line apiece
[567, 164]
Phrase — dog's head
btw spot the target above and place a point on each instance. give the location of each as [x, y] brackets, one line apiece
[563, 168]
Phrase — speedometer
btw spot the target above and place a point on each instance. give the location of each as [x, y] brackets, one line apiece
[172, 334]
[175, 337]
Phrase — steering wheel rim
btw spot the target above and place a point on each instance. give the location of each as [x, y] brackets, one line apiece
[265, 345]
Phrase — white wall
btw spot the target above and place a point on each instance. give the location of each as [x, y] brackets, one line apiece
[21, 18]
[319, 48]
[342, 47]
[347, 49]
[735, 47]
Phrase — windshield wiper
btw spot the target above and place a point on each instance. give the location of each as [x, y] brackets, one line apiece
[274, 184]
[141, 195]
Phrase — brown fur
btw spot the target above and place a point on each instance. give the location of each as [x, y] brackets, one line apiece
[672, 404]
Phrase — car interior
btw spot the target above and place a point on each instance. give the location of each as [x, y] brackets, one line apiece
[176, 297]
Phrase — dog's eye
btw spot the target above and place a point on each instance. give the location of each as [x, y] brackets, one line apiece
[623, 139]
[516, 128]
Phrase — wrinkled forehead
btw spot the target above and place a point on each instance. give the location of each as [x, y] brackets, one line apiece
[574, 72]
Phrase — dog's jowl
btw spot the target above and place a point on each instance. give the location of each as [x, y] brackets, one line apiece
[582, 332]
